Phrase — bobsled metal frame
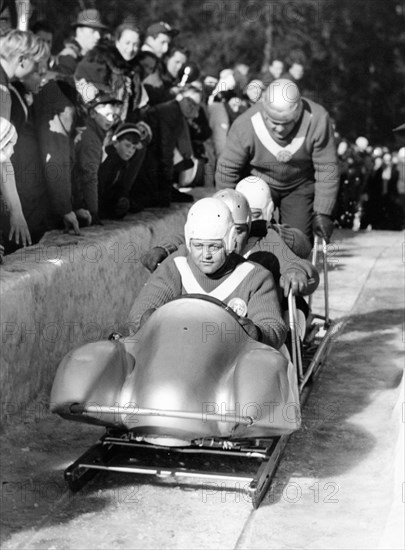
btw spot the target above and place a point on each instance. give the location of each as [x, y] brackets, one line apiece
[122, 452]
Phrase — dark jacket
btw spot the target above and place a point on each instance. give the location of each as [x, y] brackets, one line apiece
[172, 131]
[68, 59]
[111, 171]
[88, 156]
[156, 176]
[28, 170]
[54, 118]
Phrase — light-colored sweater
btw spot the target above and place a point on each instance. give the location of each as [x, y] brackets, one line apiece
[257, 290]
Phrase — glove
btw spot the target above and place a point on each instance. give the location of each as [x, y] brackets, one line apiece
[323, 226]
[296, 280]
[249, 327]
[153, 258]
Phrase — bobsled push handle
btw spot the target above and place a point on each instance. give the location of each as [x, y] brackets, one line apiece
[325, 280]
[325, 274]
[295, 341]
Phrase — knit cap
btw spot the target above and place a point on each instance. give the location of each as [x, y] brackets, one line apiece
[127, 128]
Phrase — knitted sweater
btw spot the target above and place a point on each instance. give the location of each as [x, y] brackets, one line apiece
[294, 238]
[272, 253]
[314, 161]
[257, 290]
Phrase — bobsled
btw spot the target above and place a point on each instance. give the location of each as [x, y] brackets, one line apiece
[191, 372]
[191, 395]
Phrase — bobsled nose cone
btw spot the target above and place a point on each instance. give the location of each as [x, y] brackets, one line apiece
[92, 374]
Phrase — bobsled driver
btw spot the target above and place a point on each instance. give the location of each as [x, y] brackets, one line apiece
[208, 264]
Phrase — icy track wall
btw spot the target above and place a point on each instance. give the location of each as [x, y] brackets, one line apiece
[69, 290]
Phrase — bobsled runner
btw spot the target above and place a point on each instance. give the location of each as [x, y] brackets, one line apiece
[191, 395]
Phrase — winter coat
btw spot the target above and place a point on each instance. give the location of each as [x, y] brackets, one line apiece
[105, 67]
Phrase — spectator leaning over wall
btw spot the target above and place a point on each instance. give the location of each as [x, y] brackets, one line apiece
[20, 53]
[113, 192]
[29, 174]
[102, 116]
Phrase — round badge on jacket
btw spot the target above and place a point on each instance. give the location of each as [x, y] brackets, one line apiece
[284, 156]
[239, 306]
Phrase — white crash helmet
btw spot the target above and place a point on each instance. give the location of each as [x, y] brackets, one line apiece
[258, 195]
[237, 204]
[210, 219]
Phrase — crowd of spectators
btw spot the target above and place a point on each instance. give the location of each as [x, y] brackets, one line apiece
[372, 186]
[121, 120]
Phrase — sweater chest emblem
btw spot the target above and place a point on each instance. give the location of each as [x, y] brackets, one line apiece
[239, 306]
[282, 154]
